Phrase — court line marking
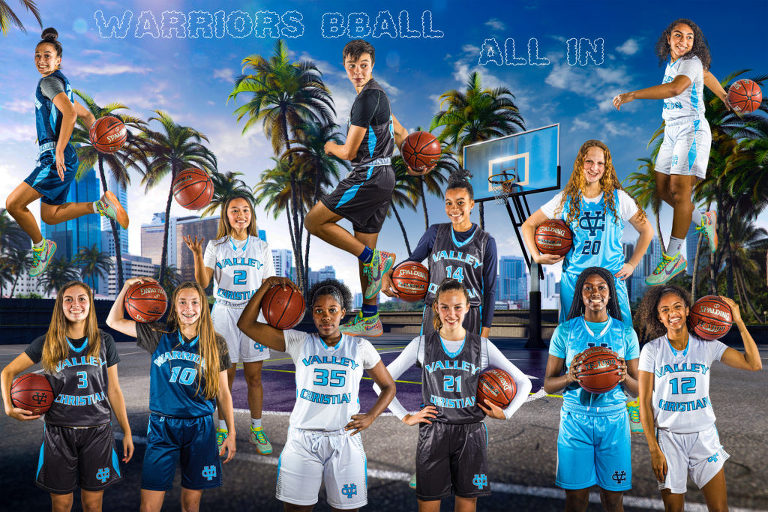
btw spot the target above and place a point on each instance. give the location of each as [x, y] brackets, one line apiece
[496, 487]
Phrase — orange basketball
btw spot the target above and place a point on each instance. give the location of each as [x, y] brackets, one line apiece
[745, 96]
[283, 308]
[710, 318]
[495, 386]
[193, 188]
[598, 369]
[553, 236]
[108, 134]
[32, 392]
[146, 302]
[411, 280]
[420, 150]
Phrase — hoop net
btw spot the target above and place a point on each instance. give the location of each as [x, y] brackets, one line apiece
[503, 185]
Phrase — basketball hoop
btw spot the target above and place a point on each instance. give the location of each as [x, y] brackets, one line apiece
[503, 185]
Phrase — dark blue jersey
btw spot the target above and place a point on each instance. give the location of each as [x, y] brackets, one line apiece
[176, 381]
[371, 111]
[47, 116]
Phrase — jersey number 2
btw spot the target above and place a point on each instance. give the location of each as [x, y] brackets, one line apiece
[239, 277]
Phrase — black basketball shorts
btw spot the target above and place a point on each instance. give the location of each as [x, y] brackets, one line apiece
[363, 197]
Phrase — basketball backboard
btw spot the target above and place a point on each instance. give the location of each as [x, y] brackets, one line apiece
[532, 158]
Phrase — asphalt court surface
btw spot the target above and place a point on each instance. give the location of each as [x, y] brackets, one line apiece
[522, 451]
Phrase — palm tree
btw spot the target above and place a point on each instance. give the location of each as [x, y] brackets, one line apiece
[642, 186]
[119, 162]
[745, 238]
[11, 234]
[8, 17]
[59, 272]
[403, 196]
[6, 271]
[168, 279]
[93, 263]
[226, 186]
[167, 152]
[18, 261]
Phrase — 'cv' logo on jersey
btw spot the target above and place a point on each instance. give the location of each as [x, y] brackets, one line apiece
[349, 490]
[480, 481]
[619, 476]
[102, 475]
[209, 472]
[592, 222]
[712, 458]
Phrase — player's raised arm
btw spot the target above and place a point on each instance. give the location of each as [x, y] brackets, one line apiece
[750, 358]
[249, 319]
[203, 273]
[116, 318]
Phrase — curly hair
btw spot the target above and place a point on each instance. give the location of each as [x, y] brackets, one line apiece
[609, 183]
[647, 315]
[335, 289]
[461, 179]
[700, 47]
[577, 306]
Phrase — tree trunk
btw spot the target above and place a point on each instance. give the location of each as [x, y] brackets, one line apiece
[13, 286]
[695, 267]
[115, 237]
[164, 257]
[423, 204]
[402, 228]
[482, 216]
[740, 282]
[656, 212]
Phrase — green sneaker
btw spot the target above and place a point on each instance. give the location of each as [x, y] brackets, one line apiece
[359, 326]
[709, 226]
[259, 438]
[109, 206]
[381, 263]
[412, 482]
[41, 257]
[633, 408]
[221, 435]
[668, 267]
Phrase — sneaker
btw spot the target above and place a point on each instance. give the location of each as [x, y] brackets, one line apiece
[259, 438]
[381, 263]
[41, 257]
[412, 482]
[221, 435]
[668, 267]
[709, 226]
[109, 206]
[359, 326]
[633, 408]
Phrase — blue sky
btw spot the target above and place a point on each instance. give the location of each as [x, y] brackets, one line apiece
[190, 78]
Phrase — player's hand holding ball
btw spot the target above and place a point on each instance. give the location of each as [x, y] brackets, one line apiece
[622, 369]
[492, 410]
[423, 416]
[20, 414]
[386, 285]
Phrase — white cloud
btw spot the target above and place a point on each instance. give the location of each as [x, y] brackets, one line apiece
[629, 47]
[225, 75]
[20, 106]
[107, 69]
[496, 24]
[22, 132]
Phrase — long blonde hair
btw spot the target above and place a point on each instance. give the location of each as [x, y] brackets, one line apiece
[225, 229]
[209, 348]
[609, 183]
[56, 347]
[447, 285]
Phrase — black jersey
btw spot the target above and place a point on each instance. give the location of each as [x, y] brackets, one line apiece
[371, 111]
[79, 383]
[449, 381]
[462, 261]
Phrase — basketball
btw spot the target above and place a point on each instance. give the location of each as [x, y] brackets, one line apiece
[553, 237]
[108, 134]
[745, 96]
[193, 188]
[497, 387]
[598, 369]
[710, 318]
[411, 280]
[283, 308]
[146, 302]
[32, 392]
[420, 150]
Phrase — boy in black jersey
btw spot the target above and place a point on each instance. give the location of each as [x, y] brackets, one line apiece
[363, 197]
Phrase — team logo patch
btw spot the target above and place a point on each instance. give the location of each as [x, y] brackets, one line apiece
[209, 472]
[480, 481]
[102, 475]
[619, 476]
[40, 398]
[713, 458]
[349, 490]
[592, 222]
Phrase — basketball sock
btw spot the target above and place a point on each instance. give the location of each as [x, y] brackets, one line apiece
[367, 255]
[39, 244]
[696, 217]
[675, 244]
[95, 205]
[369, 310]
[255, 422]
[222, 425]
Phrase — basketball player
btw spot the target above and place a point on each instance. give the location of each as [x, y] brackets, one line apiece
[596, 209]
[458, 249]
[238, 261]
[675, 407]
[56, 112]
[451, 452]
[321, 445]
[684, 153]
[363, 197]
[80, 363]
[593, 445]
[187, 377]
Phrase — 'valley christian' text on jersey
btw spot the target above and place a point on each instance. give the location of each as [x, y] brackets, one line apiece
[689, 104]
[681, 400]
[239, 267]
[327, 378]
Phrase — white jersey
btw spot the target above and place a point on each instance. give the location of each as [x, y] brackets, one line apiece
[239, 268]
[327, 378]
[690, 102]
[681, 402]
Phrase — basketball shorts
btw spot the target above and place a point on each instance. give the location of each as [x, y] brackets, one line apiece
[472, 320]
[45, 179]
[241, 347]
[311, 457]
[568, 292]
[363, 197]
[698, 454]
[685, 149]
[77, 455]
[594, 450]
[191, 441]
[452, 457]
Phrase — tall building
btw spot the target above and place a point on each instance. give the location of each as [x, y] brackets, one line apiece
[357, 301]
[282, 260]
[108, 243]
[548, 290]
[133, 266]
[204, 228]
[152, 239]
[315, 276]
[24, 286]
[513, 281]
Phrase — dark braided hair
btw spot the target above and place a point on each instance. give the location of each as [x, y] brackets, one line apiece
[335, 289]
[648, 312]
[446, 286]
[460, 179]
[50, 36]
[577, 306]
[700, 46]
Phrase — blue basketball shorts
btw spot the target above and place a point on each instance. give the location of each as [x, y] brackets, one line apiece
[45, 179]
[568, 292]
[594, 450]
[191, 441]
